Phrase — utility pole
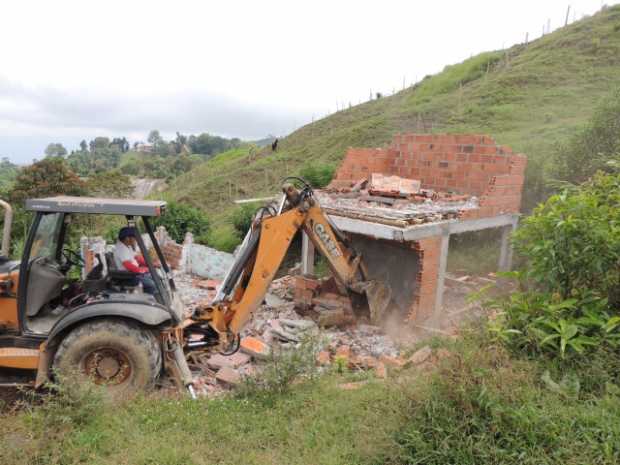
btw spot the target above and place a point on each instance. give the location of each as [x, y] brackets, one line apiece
[567, 13]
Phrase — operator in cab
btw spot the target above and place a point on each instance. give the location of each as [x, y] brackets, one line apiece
[127, 258]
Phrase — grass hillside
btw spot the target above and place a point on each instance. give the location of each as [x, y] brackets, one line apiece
[529, 97]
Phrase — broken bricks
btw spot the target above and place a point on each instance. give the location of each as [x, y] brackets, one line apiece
[255, 347]
[217, 361]
[420, 356]
[228, 376]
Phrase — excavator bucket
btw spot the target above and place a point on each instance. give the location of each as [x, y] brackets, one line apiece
[379, 296]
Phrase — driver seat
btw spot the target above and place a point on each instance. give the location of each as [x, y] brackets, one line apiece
[124, 280]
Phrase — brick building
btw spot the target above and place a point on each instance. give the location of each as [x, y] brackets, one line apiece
[471, 183]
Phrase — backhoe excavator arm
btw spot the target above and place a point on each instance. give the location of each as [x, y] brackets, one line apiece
[245, 287]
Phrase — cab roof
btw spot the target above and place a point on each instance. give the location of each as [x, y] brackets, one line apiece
[96, 205]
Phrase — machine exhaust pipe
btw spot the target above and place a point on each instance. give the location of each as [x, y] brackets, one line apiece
[6, 232]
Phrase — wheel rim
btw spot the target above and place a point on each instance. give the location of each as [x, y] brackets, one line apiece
[107, 366]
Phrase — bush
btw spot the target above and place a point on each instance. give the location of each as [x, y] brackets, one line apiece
[283, 368]
[224, 239]
[571, 245]
[318, 175]
[180, 219]
[242, 218]
[572, 242]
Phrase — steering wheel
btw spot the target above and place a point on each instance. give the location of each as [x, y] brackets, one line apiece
[72, 258]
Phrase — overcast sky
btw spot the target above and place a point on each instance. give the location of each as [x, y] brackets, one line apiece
[72, 70]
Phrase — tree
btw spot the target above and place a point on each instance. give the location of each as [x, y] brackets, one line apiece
[154, 137]
[179, 219]
[109, 184]
[8, 173]
[120, 143]
[48, 177]
[83, 146]
[55, 150]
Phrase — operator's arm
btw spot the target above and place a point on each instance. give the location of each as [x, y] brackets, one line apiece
[133, 268]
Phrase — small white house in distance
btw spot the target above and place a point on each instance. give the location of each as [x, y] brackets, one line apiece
[146, 148]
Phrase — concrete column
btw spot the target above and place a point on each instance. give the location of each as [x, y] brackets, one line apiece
[441, 278]
[505, 253]
[307, 255]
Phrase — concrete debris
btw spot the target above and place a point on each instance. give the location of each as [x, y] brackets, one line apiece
[235, 360]
[420, 356]
[297, 307]
[401, 212]
[228, 376]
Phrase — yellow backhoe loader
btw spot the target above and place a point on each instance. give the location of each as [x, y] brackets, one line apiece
[105, 328]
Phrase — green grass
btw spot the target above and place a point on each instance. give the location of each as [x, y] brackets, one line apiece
[532, 97]
[479, 406]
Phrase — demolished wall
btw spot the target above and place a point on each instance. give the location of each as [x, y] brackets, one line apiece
[462, 163]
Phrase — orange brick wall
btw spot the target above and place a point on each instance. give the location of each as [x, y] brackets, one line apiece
[464, 163]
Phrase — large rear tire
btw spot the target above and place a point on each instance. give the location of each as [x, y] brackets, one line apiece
[117, 354]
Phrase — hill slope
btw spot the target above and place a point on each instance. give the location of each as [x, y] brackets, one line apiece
[529, 97]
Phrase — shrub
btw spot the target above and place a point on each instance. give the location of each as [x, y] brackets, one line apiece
[242, 218]
[283, 368]
[224, 239]
[572, 242]
[318, 175]
[571, 245]
[180, 219]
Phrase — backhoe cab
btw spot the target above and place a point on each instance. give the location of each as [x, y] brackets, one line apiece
[53, 319]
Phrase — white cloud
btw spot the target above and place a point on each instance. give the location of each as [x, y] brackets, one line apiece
[235, 68]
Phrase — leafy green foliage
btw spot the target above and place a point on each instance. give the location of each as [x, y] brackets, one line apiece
[224, 238]
[318, 174]
[55, 150]
[102, 156]
[157, 166]
[593, 148]
[538, 322]
[47, 177]
[572, 242]
[242, 217]
[180, 219]
[571, 245]
[111, 184]
[207, 144]
[8, 173]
